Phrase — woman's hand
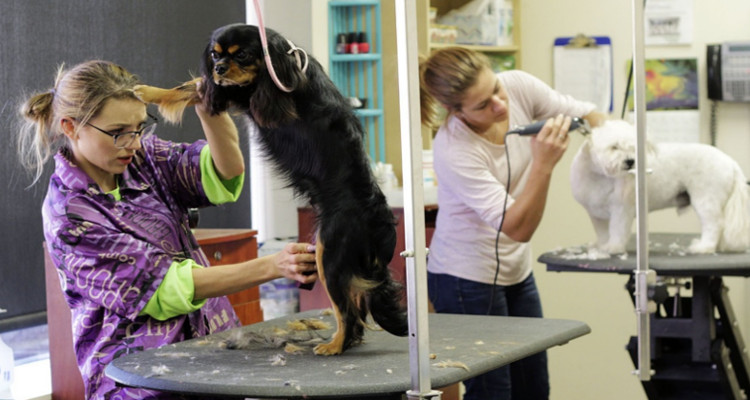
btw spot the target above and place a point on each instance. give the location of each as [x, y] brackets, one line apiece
[297, 261]
[549, 145]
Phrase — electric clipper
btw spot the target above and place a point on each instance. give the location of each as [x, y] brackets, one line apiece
[576, 123]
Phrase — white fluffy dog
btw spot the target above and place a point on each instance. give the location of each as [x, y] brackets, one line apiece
[681, 174]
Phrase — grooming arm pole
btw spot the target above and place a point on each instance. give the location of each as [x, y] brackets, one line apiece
[644, 278]
[415, 253]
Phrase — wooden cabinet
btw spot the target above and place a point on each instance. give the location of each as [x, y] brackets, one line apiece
[229, 246]
[67, 383]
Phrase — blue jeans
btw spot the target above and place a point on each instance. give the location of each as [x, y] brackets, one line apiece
[525, 379]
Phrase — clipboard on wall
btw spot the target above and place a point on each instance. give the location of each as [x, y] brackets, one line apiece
[583, 69]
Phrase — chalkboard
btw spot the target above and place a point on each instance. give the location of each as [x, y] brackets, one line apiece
[160, 41]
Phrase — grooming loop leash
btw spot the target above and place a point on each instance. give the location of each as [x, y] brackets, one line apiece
[267, 56]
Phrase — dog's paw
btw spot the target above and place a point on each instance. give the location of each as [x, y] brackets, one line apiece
[699, 247]
[596, 253]
[613, 248]
[328, 349]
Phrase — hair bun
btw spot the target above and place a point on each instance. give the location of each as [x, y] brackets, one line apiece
[39, 107]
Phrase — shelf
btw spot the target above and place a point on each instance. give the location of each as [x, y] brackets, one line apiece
[355, 57]
[368, 112]
[360, 75]
[353, 3]
[444, 6]
[478, 47]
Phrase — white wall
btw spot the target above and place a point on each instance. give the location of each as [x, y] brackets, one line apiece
[597, 366]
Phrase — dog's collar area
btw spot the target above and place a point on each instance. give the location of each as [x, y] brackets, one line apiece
[267, 56]
[295, 50]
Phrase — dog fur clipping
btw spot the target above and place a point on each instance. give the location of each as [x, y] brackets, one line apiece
[680, 175]
[315, 140]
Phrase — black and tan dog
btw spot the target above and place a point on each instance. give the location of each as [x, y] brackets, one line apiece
[316, 142]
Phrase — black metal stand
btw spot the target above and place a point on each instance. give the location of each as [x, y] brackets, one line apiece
[698, 351]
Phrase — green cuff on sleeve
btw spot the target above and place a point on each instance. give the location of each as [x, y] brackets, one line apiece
[174, 296]
[218, 191]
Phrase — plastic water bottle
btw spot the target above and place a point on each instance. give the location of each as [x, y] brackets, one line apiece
[6, 370]
[428, 171]
[278, 298]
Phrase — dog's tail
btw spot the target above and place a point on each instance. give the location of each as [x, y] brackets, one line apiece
[386, 306]
[736, 233]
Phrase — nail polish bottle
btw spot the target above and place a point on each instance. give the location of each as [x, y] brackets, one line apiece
[364, 45]
[341, 43]
[351, 43]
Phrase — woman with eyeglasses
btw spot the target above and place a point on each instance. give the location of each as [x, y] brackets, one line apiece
[116, 220]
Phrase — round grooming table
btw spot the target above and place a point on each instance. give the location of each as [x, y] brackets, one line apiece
[463, 345]
[697, 348]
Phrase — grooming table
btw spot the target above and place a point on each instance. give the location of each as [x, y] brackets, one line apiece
[377, 368]
[696, 355]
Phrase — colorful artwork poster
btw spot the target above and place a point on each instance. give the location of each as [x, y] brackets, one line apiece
[671, 84]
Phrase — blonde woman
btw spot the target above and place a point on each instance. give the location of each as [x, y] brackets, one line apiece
[492, 192]
[116, 221]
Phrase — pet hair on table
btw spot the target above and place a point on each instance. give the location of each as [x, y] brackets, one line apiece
[291, 340]
[316, 143]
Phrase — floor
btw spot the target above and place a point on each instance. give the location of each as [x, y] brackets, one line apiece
[31, 373]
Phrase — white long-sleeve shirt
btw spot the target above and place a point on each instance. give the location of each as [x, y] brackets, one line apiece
[472, 174]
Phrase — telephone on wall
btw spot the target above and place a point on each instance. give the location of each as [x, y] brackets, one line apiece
[728, 71]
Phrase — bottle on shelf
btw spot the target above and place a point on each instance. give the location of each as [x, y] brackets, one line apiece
[341, 43]
[364, 45]
[352, 47]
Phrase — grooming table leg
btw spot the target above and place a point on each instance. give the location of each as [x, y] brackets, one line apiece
[737, 352]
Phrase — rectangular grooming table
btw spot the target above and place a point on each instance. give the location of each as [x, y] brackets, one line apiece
[695, 355]
[377, 368]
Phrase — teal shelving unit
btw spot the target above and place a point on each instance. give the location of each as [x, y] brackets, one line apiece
[360, 75]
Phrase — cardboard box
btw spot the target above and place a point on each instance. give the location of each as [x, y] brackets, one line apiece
[482, 22]
[473, 29]
[444, 34]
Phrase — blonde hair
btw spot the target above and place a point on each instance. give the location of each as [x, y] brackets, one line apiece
[444, 77]
[79, 94]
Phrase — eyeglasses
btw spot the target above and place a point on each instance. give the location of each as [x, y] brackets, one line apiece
[125, 139]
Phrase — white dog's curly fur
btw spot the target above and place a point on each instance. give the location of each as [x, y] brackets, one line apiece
[681, 175]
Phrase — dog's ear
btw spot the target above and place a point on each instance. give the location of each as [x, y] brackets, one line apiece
[214, 100]
[270, 105]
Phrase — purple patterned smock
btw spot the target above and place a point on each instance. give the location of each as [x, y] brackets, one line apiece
[112, 255]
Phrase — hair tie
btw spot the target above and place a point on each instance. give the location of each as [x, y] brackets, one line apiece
[52, 92]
